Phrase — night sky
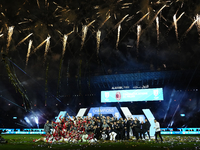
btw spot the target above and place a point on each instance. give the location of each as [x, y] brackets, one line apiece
[72, 40]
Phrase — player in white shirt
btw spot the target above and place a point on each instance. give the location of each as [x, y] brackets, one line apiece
[84, 137]
[157, 129]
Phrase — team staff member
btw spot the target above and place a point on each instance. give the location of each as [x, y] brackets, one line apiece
[136, 129]
[47, 127]
[142, 131]
[157, 129]
[147, 127]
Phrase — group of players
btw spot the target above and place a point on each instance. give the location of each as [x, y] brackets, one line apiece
[91, 129]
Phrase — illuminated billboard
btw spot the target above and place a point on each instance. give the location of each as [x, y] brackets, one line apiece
[153, 94]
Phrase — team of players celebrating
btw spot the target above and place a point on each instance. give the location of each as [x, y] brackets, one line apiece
[91, 129]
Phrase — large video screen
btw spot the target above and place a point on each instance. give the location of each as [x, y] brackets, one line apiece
[153, 94]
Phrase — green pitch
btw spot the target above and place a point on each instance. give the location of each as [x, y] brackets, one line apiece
[171, 142]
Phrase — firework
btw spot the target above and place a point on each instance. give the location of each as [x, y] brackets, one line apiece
[115, 16]
[129, 18]
[40, 45]
[175, 24]
[23, 22]
[174, 21]
[125, 4]
[59, 32]
[141, 19]
[90, 23]
[96, 7]
[117, 25]
[98, 40]
[190, 28]
[198, 25]
[105, 21]
[10, 33]
[148, 15]
[84, 33]
[29, 51]
[138, 35]
[156, 15]
[125, 7]
[24, 39]
[64, 44]
[118, 35]
[157, 28]
[136, 23]
[47, 47]
[180, 16]
[38, 3]
[71, 31]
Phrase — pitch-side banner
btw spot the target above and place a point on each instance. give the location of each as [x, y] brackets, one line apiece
[153, 94]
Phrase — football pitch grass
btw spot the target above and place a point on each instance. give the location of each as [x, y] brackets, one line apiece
[171, 142]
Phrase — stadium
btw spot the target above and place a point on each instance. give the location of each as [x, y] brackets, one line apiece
[100, 59]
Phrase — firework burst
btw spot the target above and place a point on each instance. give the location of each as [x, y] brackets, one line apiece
[175, 25]
[9, 38]
[24, 39]
[84, 34]
[29, 51]
[118, 35]
[64, 45]
[98, 36]
[198, 24]
[138, 36]
[47, 48]
[157, 28]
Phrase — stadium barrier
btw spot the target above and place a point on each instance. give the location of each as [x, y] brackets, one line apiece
[41, 131]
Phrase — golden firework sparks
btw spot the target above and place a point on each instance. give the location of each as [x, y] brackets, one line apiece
[24, 39]
[38, 3]
[29, 51]
[23, 22]
[157, 28]
[117, 25]
[90, 23]
[156, 15]
[176, 20]
[180, 16]
[59, 32]
[105, 21]
[175, 25]
[129, 18]
[138, 35]
[64, 45]
[198, 24]
[96, 7]
[40, 45]
[186, 32]
[84, 34]
[3, 14]
[10, 33]
[148, 15]
[125, 4]
[125, 7]
[47, 48]
[98, 40]
[141, 19]
[118, 35]
[189, 28]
